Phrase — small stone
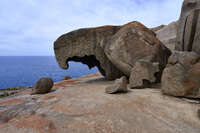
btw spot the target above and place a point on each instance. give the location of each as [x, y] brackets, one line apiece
[44, 85]
[67, 77]
[120, 85]
[143, 74]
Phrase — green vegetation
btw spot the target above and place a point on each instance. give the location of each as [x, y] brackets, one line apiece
[12, 89]
[6, 94]
[9, 89]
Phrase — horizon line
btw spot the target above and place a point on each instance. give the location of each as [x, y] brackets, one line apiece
[26, 55]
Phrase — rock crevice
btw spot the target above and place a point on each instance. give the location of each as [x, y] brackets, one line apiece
[188, 27]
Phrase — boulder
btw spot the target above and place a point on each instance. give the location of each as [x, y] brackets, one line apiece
[120, 85]
[167, 35]
[67, 77]
[134, 42]
[112, 49]
[44, 85]
[181, 77]
[143, 74]
[83, 45]
[189, 27]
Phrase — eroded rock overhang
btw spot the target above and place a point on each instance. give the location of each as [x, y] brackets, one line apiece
[83, 46]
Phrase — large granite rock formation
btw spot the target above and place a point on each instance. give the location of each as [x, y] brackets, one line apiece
[181, 77]
[133, 42]
[113, 49]
[167, 34]
[188, 35]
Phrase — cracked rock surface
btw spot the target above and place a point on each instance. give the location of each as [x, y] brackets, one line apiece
[188, 36]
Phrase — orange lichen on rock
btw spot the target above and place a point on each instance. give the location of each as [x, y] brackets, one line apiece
[10, 101]
[37, 123]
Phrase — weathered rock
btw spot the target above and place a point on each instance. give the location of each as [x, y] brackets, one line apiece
[167, 35]
[134, 42]
[67, 77]
[44, 85]
[83, 45]
[188, 28]
[157, 28]
[110, 49]
[181, 77]
[120, 85]
[143, 74]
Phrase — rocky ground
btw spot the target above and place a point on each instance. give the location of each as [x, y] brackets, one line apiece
[82, 106]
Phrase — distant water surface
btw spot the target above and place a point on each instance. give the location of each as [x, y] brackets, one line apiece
[26, 70]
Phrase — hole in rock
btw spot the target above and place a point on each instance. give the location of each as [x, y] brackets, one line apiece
[79, 69]
[146, 83]
[158, 76]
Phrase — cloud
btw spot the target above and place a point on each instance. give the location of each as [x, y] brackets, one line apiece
[29, 27]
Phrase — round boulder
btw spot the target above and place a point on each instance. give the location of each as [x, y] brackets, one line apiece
[67, 77]
[44, 85]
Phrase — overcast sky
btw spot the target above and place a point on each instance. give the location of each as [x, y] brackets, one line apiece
[29, 27]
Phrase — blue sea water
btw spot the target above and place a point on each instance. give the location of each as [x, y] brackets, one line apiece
[26, 70]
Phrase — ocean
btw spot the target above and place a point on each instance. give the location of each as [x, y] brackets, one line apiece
[26, 70]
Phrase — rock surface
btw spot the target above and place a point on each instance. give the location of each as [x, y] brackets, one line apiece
[134, 42]
[181, 77]
[81, 106]
[189, 27]
[167, 35]
[120, 85]
[44, 85]
[143, 74]
[113, 49]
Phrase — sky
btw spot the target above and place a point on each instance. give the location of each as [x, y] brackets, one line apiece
[30, 27]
